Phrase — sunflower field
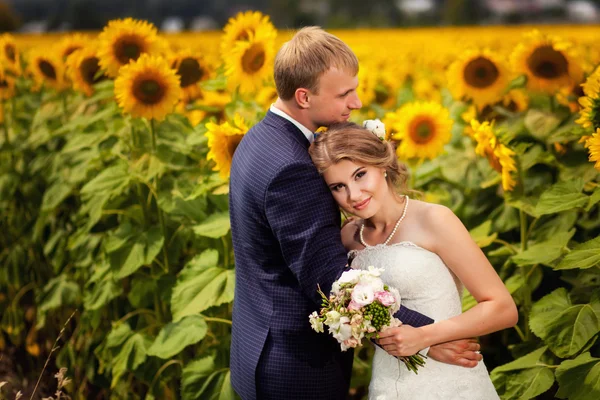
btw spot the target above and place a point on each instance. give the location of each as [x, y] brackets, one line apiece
[116, 265]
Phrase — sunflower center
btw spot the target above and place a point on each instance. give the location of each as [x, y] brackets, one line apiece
[233, 143]
[481, 73]
[89, 69]
[3, 84]
[190, 72]
[70, 50]
[253, 59]
[128, 48]
[493, 159]
[243, 36]
[148, 91]
[11, 52]
[47, 69]
[547, 63]
[422, 130]
[595, 114]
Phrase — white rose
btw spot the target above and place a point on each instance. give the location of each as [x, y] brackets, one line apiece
[363, 294]
[332, 318]
[315, 322]
[350, 276]
[375, 126]
[396, 306]
[342, 331]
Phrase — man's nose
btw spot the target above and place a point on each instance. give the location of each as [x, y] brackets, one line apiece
[355, 102]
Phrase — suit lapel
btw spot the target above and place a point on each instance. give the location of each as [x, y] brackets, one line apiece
[286, 127]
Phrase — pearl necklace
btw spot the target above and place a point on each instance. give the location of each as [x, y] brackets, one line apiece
[362, 227]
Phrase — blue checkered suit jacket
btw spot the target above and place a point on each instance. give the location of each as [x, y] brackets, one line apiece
[286, 239]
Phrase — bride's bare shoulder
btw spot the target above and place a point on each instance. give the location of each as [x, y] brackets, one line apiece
[350, 234]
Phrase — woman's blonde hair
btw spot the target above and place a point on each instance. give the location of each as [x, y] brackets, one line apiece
[309, 54]
[349, 141]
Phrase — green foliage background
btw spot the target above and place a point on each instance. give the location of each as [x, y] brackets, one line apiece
[123, 223]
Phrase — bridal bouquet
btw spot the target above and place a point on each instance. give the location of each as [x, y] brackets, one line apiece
[360, 306]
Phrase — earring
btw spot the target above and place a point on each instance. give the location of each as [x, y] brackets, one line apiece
[385, 174]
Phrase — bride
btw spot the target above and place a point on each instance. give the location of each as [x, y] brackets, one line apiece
[427, 254]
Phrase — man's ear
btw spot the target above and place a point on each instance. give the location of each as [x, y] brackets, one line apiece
[302, 97]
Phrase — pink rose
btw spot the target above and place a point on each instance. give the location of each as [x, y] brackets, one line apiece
[354, 306]
[385, 298]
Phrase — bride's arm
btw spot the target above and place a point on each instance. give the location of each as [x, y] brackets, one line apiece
[495, 310]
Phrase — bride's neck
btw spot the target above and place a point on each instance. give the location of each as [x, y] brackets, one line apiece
[388, 214]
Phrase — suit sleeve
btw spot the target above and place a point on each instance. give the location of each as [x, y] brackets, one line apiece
[306, 222]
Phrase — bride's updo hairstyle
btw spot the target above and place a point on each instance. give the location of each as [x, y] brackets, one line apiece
[352, 142]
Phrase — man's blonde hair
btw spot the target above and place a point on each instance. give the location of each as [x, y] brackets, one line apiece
[308, 55]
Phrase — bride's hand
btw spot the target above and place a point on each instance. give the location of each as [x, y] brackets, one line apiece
[401, 341]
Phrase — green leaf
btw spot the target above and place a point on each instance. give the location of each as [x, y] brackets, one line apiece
[529, 383]
[142, 291]
[132, 355]
[544, 252]
[55, 195]
[517, 83]
[481, 234]
[579, 379]
[564, 327]
[523, 378]
[139, 250]
[215, 226]
[584, 255]
[196, 291]
[119, 333]
[58, 292]
[111, 181]
[594, 199]
[546, 309]
[101, 288]
[194, 378]
[175, 336]
[540, 124]
[227, 392]
[561, 197]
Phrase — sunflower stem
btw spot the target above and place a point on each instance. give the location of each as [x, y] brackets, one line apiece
[6, 134]
[64, 106]
[525, 276]
[152, 131]
[161, 216]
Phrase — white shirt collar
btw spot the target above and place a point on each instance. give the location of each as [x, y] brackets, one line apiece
[307, 132]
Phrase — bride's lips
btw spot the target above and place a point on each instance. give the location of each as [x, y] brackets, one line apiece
[362, 204]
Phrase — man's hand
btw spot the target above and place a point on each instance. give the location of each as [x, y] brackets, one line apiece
[464, 353]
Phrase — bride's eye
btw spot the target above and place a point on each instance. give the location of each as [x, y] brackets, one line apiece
[360, 174]
[336, 188]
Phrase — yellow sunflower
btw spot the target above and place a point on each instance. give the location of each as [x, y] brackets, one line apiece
[9, 54]
[47, 69]
[549, 62]
[147, 88]
[242, 26]
[71, 43]
[192, 69]
[124, 40]
[7, 85]
[223, 139]
[593, 146]
[266, 96]
[367, 81]
[500, 157]
[250, 62]
[478, 75]
[590, 114]
[84, 69]
[210, 103]
[423, 128]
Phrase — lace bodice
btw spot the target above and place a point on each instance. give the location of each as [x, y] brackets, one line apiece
[428, 286]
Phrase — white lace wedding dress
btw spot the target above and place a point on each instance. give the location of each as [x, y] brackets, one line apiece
[428, 286]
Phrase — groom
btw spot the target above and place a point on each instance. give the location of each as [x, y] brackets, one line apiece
[286, 234]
